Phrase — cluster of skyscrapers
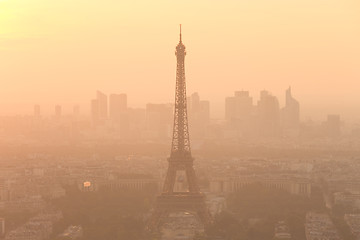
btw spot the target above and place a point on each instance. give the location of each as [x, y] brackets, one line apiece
[243, 118]
[264, 119]
[154, 121]
[114, 109]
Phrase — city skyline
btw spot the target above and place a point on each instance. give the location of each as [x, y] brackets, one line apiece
[263, 141]
[282, 43]
[220, 108]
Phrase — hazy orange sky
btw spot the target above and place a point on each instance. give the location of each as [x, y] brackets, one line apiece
[61, 52]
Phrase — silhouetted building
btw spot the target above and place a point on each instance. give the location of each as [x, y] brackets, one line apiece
[137, 116]
[158, 120]
[239, 114]
[199, 115]
[268, 115]
[119, 114]
[76, 110]
[95, 111]
[37, 111]
[291, 111]
[99, 108]
[58, 111]
[332, 127]
[240, 106]
[353, 221]
[320, 226]
[296, 186]
[282, 231]
[136, 122]
[117, 106]
[132, 183]
[103, 105]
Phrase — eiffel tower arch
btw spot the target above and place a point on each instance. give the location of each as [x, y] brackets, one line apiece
[180, 159]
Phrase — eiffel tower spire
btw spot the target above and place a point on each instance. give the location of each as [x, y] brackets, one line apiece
[180, 141]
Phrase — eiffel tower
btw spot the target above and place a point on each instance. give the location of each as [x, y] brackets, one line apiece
[192, 201]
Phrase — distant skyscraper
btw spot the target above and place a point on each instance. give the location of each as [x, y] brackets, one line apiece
[99, 108]
[117, 106]
[239, 114]
[204, 111]
[37, 111]
[103, 105]
[199, 115]
[76, 110]
[199, 109]
[230, 108]
[136, 122]
[194, 102]
[95, 111]
[268, 115]
[158, 120]
[291, 111]
[240, 106]
[332, 126]
[58, 111]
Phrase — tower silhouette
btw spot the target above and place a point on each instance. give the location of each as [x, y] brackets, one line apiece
[180, 159]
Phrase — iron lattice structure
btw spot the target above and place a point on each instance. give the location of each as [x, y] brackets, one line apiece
[180, 160]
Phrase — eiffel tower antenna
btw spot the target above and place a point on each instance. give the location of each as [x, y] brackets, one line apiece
[180, 34]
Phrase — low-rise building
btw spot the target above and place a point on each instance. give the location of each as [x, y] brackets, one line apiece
[353, 221]
[347, 199]
[319, 226]
[282, 231]
[297, 186]
[39, 227]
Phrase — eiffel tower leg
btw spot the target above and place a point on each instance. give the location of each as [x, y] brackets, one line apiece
[170, 179]
[191, 177]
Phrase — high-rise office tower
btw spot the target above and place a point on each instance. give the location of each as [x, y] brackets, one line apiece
[239, 114]
[158, 120]
[199, 115]
[194, 103]
[332, 126]
[290, 114]
[240, 106]
[37, 111]
[268, 115]
[204, 112]
[103, 105]
[99, 108]
[117, 106]
[199, 110]
[76, 110]
[58, 111]
[95, 111]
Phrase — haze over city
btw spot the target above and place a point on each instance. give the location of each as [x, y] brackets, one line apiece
[179, 120]
[62, 52]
